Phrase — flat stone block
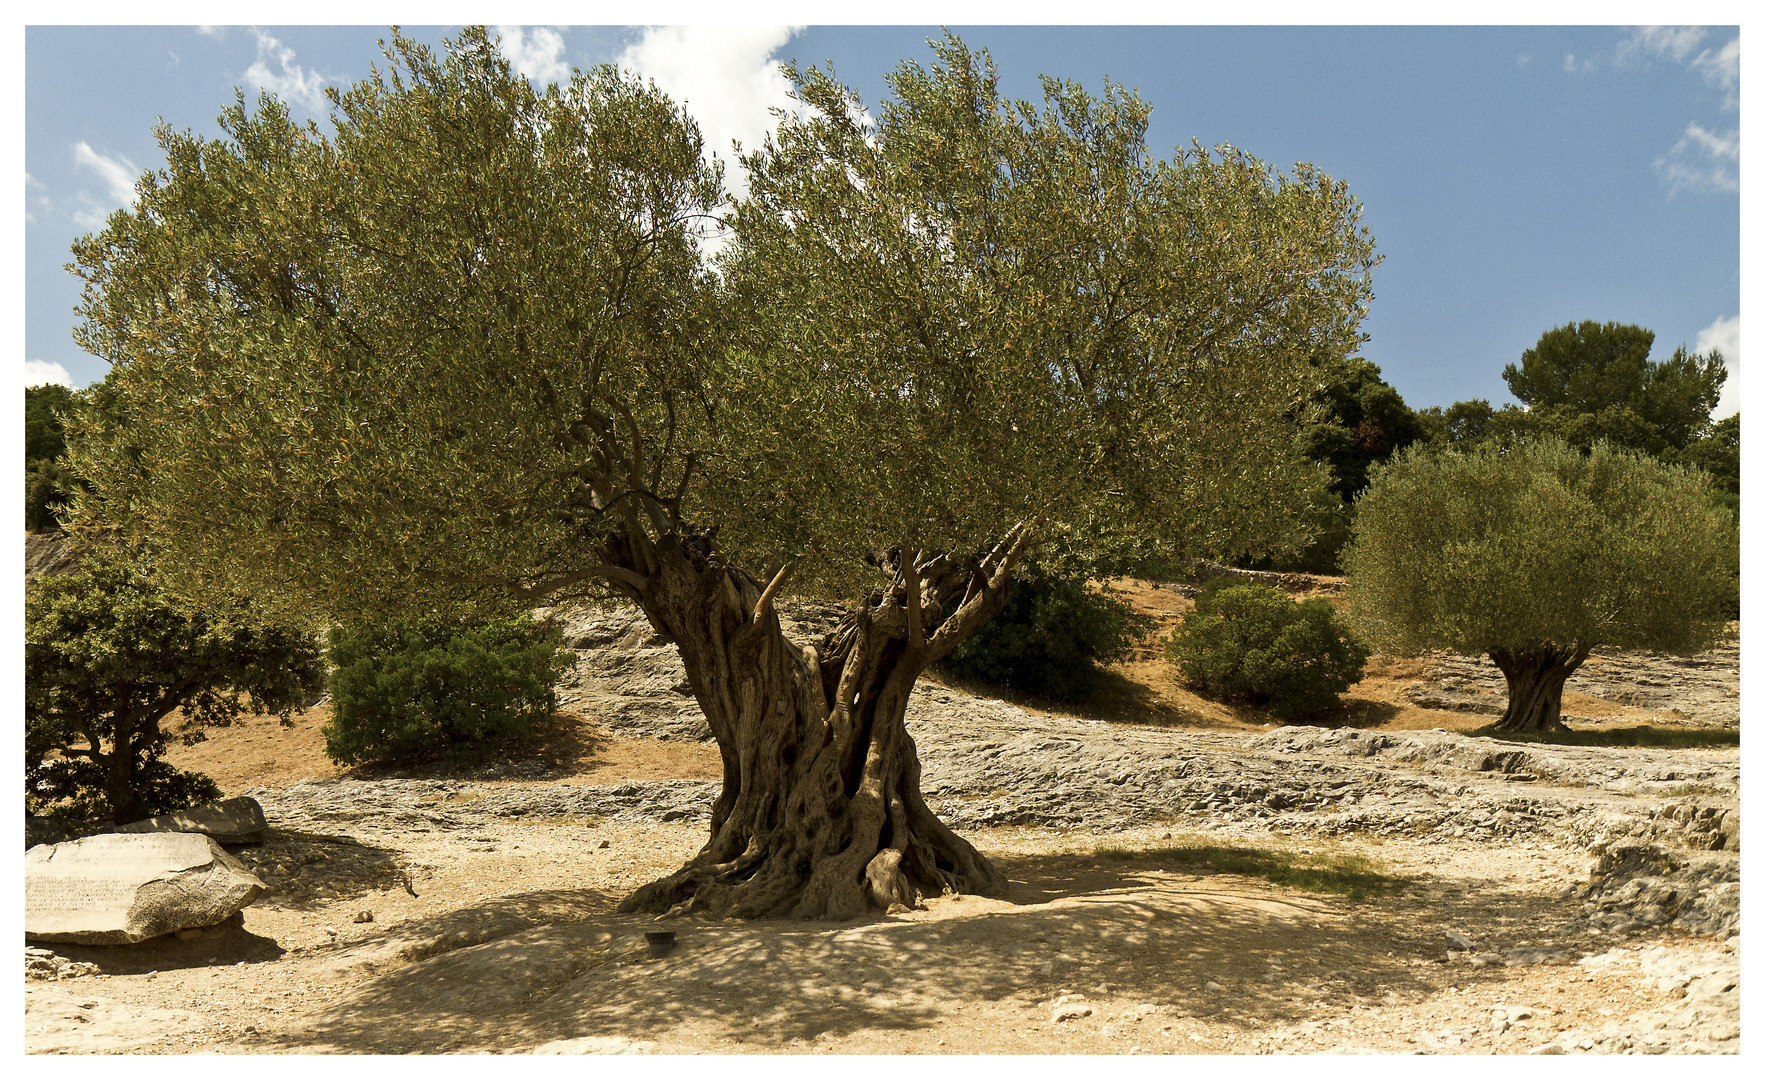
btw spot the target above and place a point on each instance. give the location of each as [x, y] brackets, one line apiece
[238, 820]
[115, 889]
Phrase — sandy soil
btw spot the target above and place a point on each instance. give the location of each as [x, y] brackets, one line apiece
[504, 939]
[1088, 955]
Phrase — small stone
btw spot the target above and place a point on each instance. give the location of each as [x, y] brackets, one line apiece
[364, 916]
[604, 844]
[1072, 1010]
[1548, 1048]
[1213, 987]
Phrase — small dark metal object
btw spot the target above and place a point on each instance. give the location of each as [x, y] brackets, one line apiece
[661, 941]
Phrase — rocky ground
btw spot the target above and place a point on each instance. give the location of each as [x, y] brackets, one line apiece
[1546, 899]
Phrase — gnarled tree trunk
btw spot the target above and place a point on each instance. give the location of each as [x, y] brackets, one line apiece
[1535, 686]
[820, 816]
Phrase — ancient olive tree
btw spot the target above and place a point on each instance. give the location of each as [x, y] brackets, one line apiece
[109, 657]
[1535, 555]
[466, 342]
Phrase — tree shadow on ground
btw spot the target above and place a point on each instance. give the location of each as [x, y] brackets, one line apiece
[297, 864]
[1356, 712]
[225, 943]
[1117, 699]
[1227, 949]
[1635, 735]
[557, 745]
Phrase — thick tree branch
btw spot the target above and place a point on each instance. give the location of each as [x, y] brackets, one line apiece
[635, 582]
[763, 606]
[915, 617]
[667, 443]
[991, 577]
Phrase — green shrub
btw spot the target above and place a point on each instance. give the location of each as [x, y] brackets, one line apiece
[433, 688]
[1246, 642]
[1051, 638]
[109, 658]
[73, 788]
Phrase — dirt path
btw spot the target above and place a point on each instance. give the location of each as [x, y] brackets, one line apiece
[511, 945]
[1546, 900]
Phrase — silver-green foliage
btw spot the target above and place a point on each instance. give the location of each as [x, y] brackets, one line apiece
[1539, 547]
[466, 336]
[1251, 643]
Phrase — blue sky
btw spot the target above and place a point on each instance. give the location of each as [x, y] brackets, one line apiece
[1516, 178]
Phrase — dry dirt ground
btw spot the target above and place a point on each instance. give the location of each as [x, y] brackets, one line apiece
[466, 913]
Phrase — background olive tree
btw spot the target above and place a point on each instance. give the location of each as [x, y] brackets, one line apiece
[465, 343]
[47, 478]
[1536, 554]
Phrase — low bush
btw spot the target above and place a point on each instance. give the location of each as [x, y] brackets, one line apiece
[1051, 639]
[432, 688]
[1250, 643]
[109, 658]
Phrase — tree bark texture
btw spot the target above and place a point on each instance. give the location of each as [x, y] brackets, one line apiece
[1535, 686]
[821, 815]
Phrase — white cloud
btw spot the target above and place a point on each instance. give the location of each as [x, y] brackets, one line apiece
[1573, 63]
[1724, 335]
[35, 197]
[119, 173]
[726, 78]
[291, 82]
[219, 33]
[41, 372]
[1702, 161]
[1721, 69]
[1674, 42]
[538, 54]
[90, 214]
[1720, 66]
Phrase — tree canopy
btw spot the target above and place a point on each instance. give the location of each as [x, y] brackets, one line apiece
[47, 480]
[1535, 554]
[45, 405]
[472, 326]
[467, 341]
[1589, 381]
[1366, 421]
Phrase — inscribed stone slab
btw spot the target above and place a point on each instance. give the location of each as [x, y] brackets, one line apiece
[117, 889]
